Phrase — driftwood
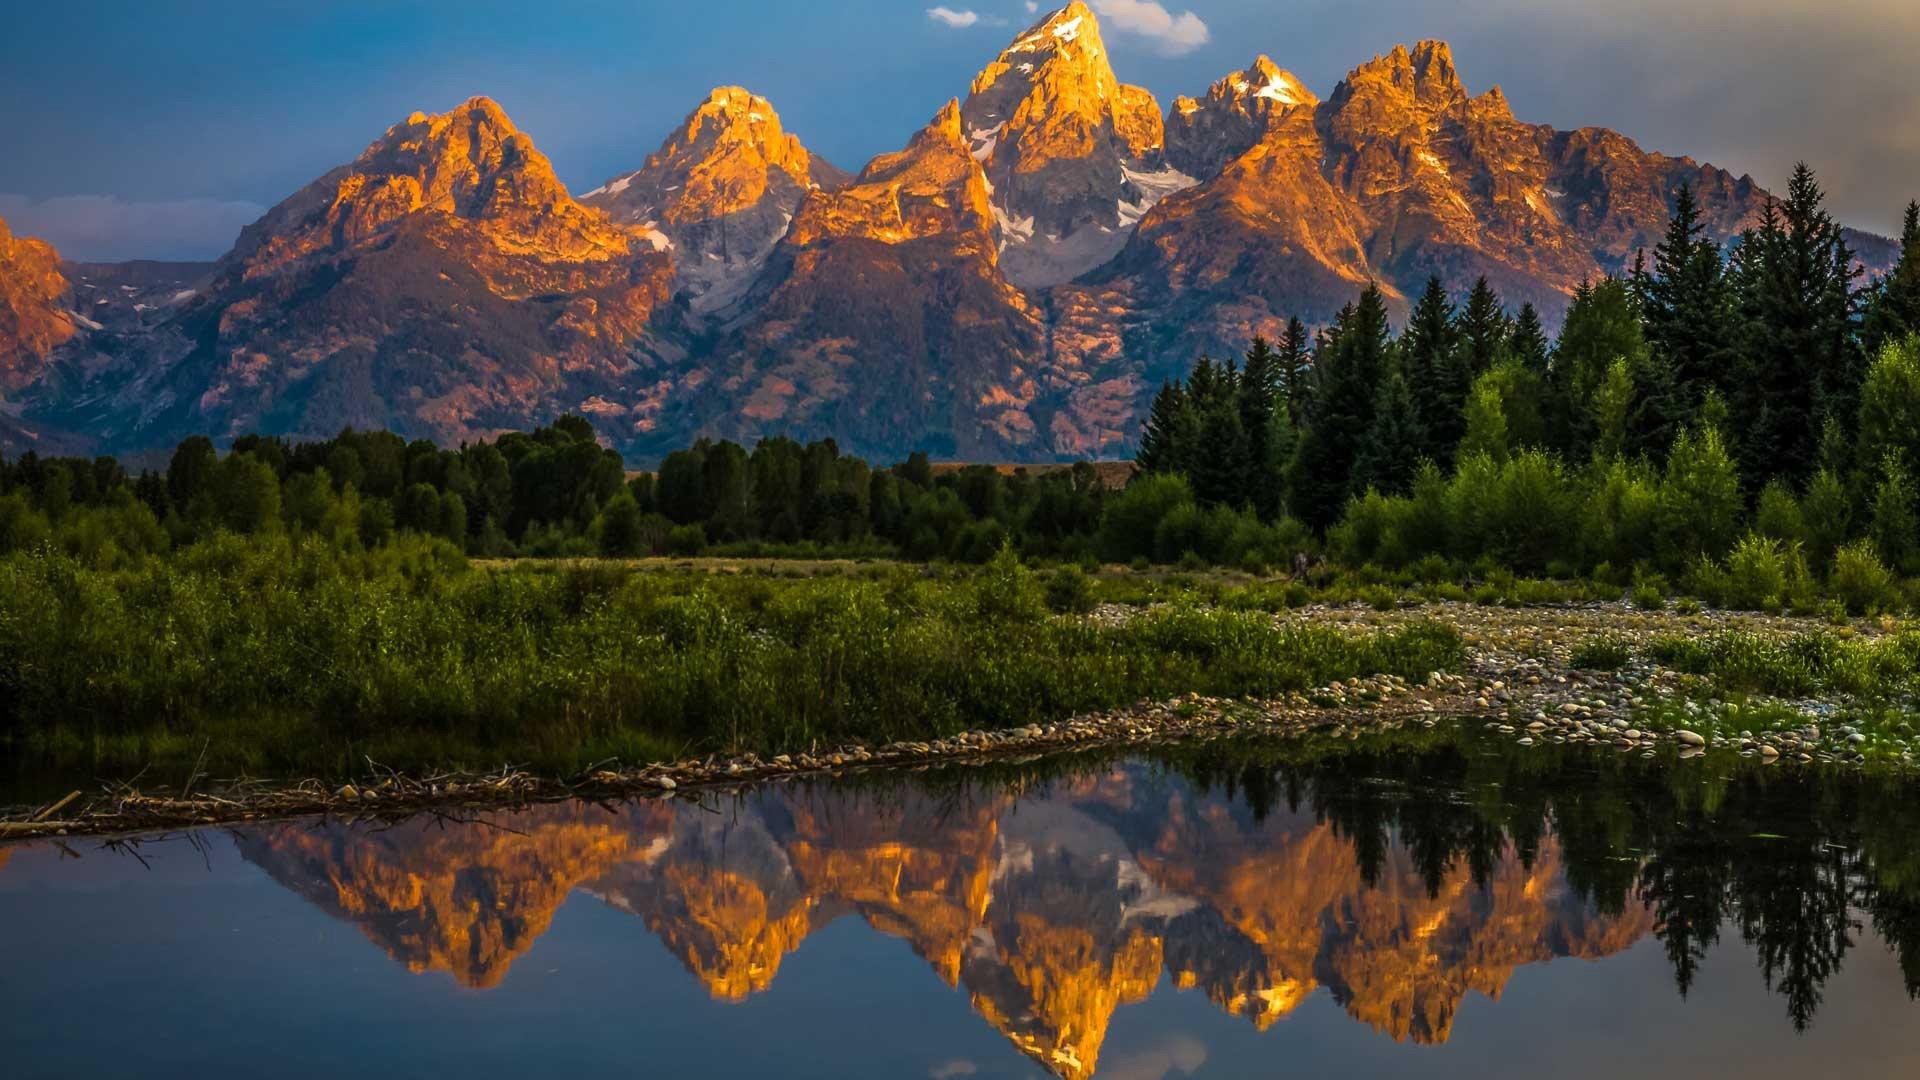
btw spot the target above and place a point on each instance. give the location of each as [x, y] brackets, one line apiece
[56, 807]
[385, 793]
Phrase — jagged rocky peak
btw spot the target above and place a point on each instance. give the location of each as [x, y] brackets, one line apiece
[1204, 135]
[722, 159]
[443, 284]
[33, 320]
[470, 163]
[1075, 157]
[1401, 88]
[721, 191]
[934, 187]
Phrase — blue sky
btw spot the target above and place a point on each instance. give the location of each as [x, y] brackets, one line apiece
[157, 128]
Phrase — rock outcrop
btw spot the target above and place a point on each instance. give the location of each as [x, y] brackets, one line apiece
[33, 318]
[1074, 156]
[721, 191]
[882, 317]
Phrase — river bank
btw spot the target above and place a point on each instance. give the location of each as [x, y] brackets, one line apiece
[1602, 675]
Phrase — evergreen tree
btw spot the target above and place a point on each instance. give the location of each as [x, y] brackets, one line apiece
[1395, 444]
[1528, 343]
[1258, 400]
[1215, 455]
[1436, 377]
[1793, 282]
[1347, 365]
[1483, 330]
[1613, 404]
[1686, 309]
[1295, 364]
[1159, 443]
[1700, 501]
[1895, 310]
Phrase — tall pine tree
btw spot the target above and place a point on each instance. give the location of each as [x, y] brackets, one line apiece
[1160, 443]
[1529, 343]
[1395, 444]
[1895, 311]
[1348, 366]
[1687, 311]
[1258, 399]
[1800, 363]
[1215, 459]
[1436, 377]
[1483, 330]
[1296, 358]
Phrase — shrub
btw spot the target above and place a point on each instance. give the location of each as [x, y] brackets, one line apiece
[1859, 580]
[1699, 496]
[1130, 523]
[687, 540]
[1070, 591]
[1602, 654]
[1648, 596]
[1757, 575]
[1004, 590]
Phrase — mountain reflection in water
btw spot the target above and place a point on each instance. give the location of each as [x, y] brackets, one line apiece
[1052, 896]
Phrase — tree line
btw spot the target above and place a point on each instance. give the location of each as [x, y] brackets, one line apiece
[1707, 395]
[1708, 398]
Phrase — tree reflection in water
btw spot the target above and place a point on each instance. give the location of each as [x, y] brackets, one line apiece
[1397, 873]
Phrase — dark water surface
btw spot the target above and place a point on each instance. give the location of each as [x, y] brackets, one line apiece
[1360, 910]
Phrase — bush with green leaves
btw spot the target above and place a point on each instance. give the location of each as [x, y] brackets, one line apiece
[282, 652]
[1860, 581]
[1069, 591]
[1602, 654]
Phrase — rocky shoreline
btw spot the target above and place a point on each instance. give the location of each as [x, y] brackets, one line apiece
[1519, 682]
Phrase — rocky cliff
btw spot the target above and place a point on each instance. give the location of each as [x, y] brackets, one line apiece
[33, 319]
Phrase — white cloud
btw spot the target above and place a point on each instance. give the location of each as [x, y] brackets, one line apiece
[949, 17]
[1033, 7]
[1173, 35]
[103, 228]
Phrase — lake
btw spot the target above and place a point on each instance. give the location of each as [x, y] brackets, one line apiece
[1401, 906]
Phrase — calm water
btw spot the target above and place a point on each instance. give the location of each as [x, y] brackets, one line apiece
[1362, 912]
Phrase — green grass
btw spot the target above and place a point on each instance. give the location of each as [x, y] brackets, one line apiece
[277, 656]
[1809, 663]
[1602, 654]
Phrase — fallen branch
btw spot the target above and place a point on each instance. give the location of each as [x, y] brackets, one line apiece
[56, 807]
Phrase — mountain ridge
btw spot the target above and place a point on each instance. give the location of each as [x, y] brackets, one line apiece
[1012, 284]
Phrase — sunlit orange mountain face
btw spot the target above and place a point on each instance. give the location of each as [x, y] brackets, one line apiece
[1049, 912]
[1011, 284]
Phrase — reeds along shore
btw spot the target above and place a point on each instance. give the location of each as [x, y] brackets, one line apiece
[283, 656]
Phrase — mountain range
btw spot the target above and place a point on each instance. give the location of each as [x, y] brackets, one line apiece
[1012, 284]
